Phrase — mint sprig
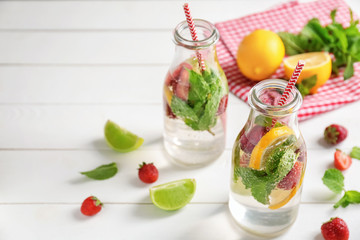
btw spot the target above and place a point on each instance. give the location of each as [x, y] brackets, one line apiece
[205, 93]
[102, 172]
[355, 153]
[262, 182]
[334, 180]
[344, 43]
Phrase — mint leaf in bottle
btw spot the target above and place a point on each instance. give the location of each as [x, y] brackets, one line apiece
[102, 172]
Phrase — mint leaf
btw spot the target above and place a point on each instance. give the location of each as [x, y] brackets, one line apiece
[306, 84]
[272, 163]
[102, 172]
[261, 183]
[334, 180]
[261, 192]
[264, 121]
[349, 70]
[314, 30]
[205, 93]
[350, 197]
[182, 109]
[342, 202]
[337, 31]
[332, 15]
[208, 119]
[355, 153]
[199, 88]
[294, 44]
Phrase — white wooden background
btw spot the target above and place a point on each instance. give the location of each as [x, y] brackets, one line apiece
[65, 68]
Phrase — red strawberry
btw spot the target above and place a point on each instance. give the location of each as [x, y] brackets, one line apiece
[182, 87]
[148, 173]
[292, 178]
[91, 206]
[342, 161]
[335, 134]
[248, 141]
[335, 229]
[222, 105]
[169, 112]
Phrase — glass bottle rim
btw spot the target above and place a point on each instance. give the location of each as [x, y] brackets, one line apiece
[279, 111]
[208, 41]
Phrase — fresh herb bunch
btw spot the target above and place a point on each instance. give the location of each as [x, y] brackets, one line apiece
[344, 43]
[205, 93]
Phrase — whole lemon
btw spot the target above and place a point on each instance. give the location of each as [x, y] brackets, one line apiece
[260, 54]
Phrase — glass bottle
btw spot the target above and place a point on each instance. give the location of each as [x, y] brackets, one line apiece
[268, 162]
[195, 100]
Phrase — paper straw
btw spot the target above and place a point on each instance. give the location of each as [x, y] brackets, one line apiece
[194, 37]
[294, 77]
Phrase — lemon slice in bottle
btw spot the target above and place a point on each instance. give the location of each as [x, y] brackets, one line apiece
[271, 138]
[120, 139]
[286, 196]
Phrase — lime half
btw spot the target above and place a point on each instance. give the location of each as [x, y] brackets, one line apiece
[173, 195]
[121, 139]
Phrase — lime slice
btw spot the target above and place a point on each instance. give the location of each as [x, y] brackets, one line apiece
[120, 139]
[173, 195]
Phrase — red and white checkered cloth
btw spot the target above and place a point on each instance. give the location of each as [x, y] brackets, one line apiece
[289, 17]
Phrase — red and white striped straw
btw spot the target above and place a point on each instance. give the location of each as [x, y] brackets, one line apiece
[193, 34]
[292, 81]
[294, 77]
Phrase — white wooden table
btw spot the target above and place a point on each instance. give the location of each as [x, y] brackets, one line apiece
[67, 67]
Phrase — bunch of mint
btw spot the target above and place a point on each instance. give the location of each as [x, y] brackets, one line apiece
[344, 43]
[334, 180]
[261, 182]
[205, 93]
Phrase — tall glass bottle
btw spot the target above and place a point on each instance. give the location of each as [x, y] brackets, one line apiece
[268, 162]
[195, 100]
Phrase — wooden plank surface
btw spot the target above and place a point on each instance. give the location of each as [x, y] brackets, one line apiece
[68, 66]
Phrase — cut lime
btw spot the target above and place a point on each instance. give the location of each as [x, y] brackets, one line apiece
[121, 139]
[173, 195]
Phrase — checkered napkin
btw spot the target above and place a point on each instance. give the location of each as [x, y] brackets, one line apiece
[289, 17]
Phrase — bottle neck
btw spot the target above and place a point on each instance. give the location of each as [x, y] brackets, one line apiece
[206, 32]
[265, 96]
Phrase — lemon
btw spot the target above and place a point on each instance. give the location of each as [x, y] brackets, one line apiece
[316, 63]
[173, 195]
[284, 196]
[260, 54]
[275, 135]
[120, 139]
[168, 95]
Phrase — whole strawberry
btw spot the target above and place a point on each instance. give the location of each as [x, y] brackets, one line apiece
[148, 173]
[335, 134]
[91, 206]
[335, 229]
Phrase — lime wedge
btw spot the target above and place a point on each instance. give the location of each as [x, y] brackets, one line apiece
[173, 195]
[120, 139]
